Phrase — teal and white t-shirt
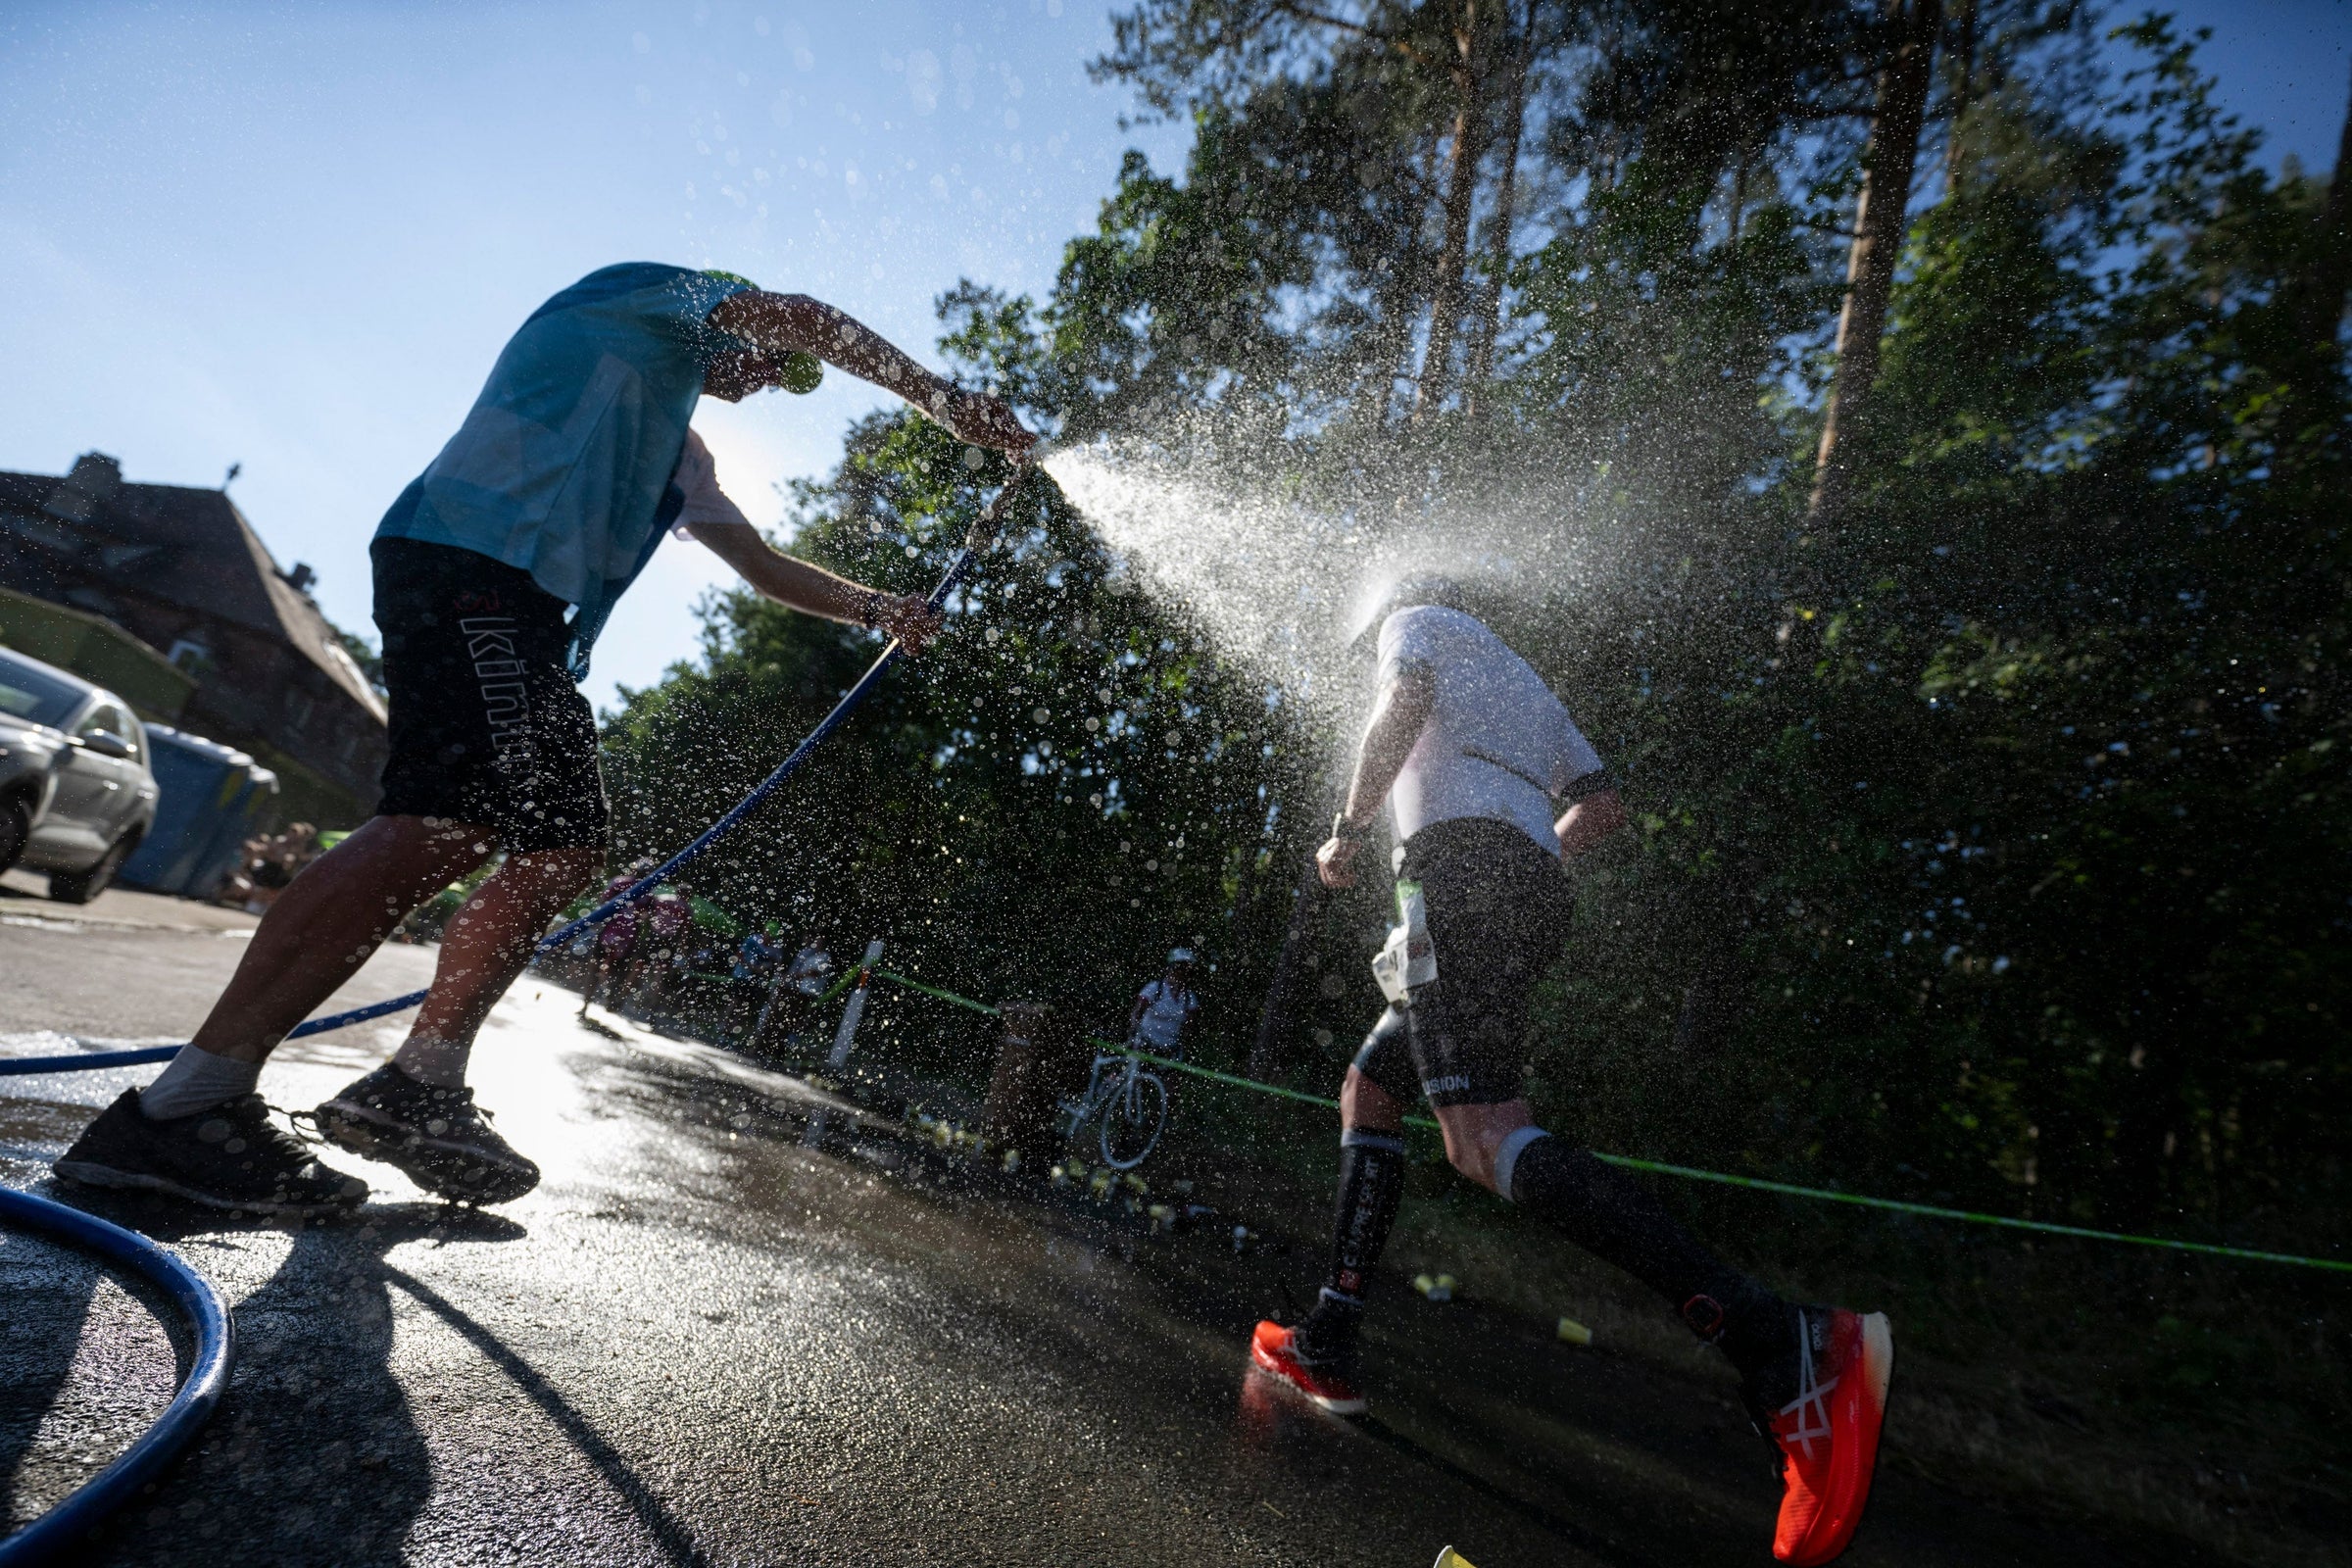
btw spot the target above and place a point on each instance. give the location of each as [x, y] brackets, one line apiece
[565, 467]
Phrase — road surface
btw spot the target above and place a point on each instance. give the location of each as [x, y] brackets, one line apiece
[700, 1341]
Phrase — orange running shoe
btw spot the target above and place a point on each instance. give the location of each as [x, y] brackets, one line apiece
[1828, 1436]
[1275, 1350]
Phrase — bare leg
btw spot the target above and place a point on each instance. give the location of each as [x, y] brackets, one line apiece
[1475, 1134]
[491, 939]
[327, 924]
[1365, 1105]
[416, 1111]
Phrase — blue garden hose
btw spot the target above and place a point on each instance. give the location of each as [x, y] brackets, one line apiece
[85, 1060]
[978, 538]
[72, 1520]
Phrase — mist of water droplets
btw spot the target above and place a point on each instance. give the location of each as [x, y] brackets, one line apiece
[1277, 581]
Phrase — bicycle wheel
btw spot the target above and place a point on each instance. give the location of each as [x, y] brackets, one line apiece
[1133, 1120]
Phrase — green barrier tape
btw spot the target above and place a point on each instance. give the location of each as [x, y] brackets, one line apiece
[1216, 1077]
[933, 991]
[838, 986]
[1721, 1178]
[1898, 1207]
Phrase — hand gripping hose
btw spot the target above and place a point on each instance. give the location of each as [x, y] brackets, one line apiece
[978, 538]
[70, 1521]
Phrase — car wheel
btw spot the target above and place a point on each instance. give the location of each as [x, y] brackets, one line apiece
[16, 831]
[80, 887]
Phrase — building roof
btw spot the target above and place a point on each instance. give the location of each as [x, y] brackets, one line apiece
[182, 544]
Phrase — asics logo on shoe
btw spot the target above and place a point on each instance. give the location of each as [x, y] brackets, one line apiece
[1810, 1408]
[1828, 1436]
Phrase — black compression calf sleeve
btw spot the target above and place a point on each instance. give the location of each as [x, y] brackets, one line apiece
[1371, 1185]
[1617, 1219]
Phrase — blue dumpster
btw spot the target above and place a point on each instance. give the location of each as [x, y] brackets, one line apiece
[212, 797]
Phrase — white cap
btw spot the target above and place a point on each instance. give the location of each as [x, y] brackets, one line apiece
[1180, 956]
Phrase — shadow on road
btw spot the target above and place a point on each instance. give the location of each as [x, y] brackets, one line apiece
[677, 1541]
[316, 1447]
[50, 1289]
[1598, 1547]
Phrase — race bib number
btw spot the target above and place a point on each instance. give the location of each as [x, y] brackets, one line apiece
[1408, 958]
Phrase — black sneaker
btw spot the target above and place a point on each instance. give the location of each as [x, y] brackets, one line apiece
[437, 1136]
[230, 1156]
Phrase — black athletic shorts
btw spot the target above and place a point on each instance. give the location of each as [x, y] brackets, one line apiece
[1498, 906]
[488, 727]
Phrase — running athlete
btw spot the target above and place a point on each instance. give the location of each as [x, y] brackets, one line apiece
[494, 573]
[1470, 751]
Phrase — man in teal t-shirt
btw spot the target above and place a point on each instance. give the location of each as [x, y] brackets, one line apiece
[563, 466]
[494, 573]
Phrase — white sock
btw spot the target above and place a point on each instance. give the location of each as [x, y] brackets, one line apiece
[439, 1062]
[197, 1080]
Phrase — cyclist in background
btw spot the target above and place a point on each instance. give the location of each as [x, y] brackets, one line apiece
[812, 967]
[1163, 1010]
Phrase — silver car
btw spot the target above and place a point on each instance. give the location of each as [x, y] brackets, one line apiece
[75, 794]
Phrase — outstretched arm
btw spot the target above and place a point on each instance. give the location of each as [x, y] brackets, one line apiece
[793, 583]
[1397, 719]
[788, 323]
[1589, 821]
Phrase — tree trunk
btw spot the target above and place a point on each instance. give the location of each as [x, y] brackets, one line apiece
[1520, 48]
[1393, 416]
[1461, 198]
[1402, 297]
[1888, 160]
[1739, 215]
[1964, 95]
[1276, 1017]
[2322, 315]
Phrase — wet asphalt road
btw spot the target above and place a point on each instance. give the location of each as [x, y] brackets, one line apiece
[700, 1341]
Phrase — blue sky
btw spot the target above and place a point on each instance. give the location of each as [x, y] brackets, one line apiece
[296, 237]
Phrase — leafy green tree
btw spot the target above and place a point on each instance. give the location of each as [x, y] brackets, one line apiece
[1042, 805]
[1990, 845]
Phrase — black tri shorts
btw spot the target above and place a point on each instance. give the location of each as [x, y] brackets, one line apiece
[1498, 906]
[488, 727]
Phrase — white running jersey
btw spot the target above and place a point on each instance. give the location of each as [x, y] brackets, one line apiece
[1167, 1010]
[1498, 744]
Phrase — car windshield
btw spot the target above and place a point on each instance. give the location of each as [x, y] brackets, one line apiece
[29, 693]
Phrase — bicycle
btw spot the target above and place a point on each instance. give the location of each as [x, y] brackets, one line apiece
[1132, 1104]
